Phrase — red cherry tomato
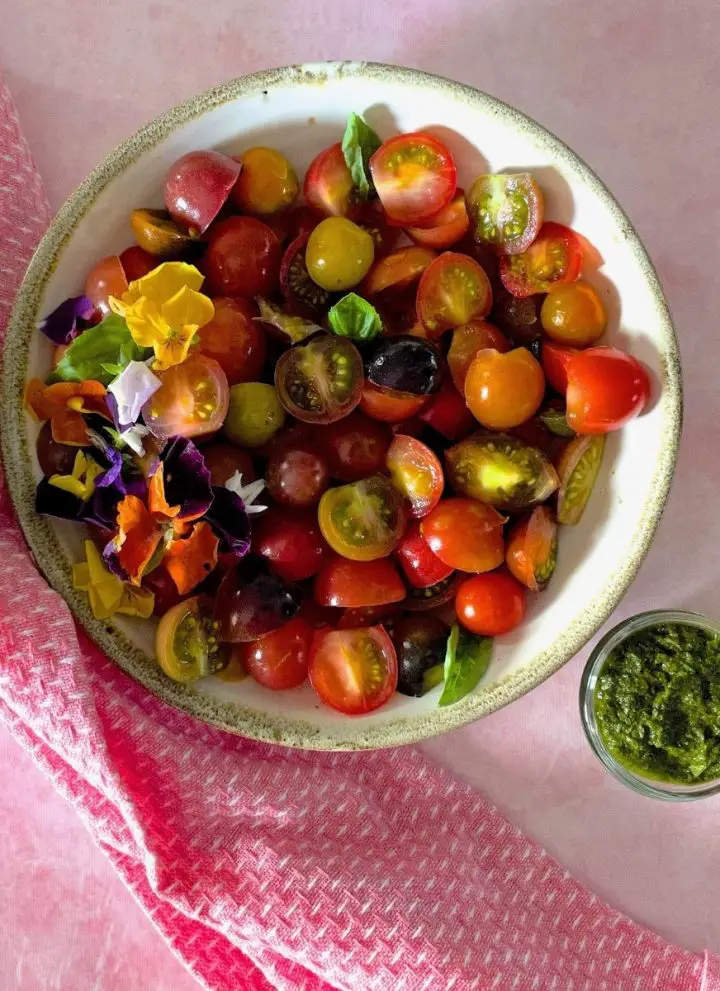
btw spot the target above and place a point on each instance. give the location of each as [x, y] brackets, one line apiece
[466, 341]
[223, 460]
[446, 227]
[448, 413]
[192, 400]
[290, 541]
[355, 446]
[302, 294]
[355, 584]
[606, 388]
[490, 605]
[235, 340]
[396, 272]
[279, 660]
[351, 619]
[465, 534]
[555, 359]
[297, 475]
[354, 671]
[137, 263]
[197, 186]
[554, 257]
[415, 177]
[104, 280]
[416, 472]
[242, 258]
[328, 183]
[453, 291]
[390, 406]
[421, 566]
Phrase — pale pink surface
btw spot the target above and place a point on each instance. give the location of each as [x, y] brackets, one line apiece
[634, 92]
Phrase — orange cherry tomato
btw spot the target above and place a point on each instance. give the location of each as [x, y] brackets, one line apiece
[466, 341]
[192, 400]
[465, 534]
[397, 271]
[555, 360]
[453, 291]
[354, 671]
[356, 584]
[414, 175]
[104, 280]
[606, 389]
[235, 340]
[490, 605]
[390, 406]
[279, 660]
[532, 549]
[574, 314]
[328, 183]
[267, 183]
[445, 228]
[157, 234]
[416, 473]
[363, 520]
[504, 390]
[554, 257]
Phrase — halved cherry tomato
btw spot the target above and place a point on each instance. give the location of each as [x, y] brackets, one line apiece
[578, 469]
[415, 177]
[279, 660]
[465, 534]
[453, 291]
[554, 257]
[532, 549]
[372, 218]
[157, 233]
[507, 211]
[242, 258]
[574, 314]
[500, 470]
[351, 619]
[223, 460]
[267, 183]
[490, 605]
[234, 339]
[364, 520]
[105, 279]
[504, 390]
[297, 475]
[420, 642]
[352, 584]
[397, 271]
[606, 389]
[466, 341]
[320, 379]
[328, 183]
[555, 360]
[354, 671]
[136, 262]
[448, 413]
[355, 446]
[446, 227]
[186, 642]
[422, 567]
[302, 294]
[389, 406]
[416, 473]
[192, 400]
[290, 541]
[433, 596]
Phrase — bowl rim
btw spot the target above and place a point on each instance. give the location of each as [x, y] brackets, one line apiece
[45, 547]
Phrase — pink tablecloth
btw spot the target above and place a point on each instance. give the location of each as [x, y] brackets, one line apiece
[91, 74]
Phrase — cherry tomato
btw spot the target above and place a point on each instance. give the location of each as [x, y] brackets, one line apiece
[532, 549]
[415, 177]
[192, 399]
[504, 390]
[291, 434]
[302, 294]
[448, 414]
[328, 183]
[136, 262]
[465, 534]
[242, 258]
[467, 340]
[351, 619]
[58, 459]
[279, 660]
[490, 605]
[254, 414]
[352, 584]
[416, 473]
[161, 585]
[421, 566]
[234, 339]
[157, 234]
[444, 228]
[578, 469]
[354, 671]
[453, 291]
[338, 254]
[290, 541]
[297, 475]
[606, 389]
[518, 319]
[500, 470]
[397, 271]
[507, 211]
[356, 447]
[252, 603]
[554, 257]
[104, 280]
[403, 364]
[267, 183]
[223, 460]
[574, 314]
[373, 219]
[420, 643]
[186, 642]
[363, 520]
[320, 379]
[319, 616]
[197, 187]
[390, 406]
[555, 360]
[433, 596]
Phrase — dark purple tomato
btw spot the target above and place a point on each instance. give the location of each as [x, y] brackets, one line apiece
[54, 458]
[404, 364]
[251, 603]
[420, 643]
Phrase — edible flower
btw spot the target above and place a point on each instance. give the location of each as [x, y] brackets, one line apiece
[63, 324]
[248, 493]
[190, 559]
[134, 437]
[82, 481]
[164, 311]
[131, 389]
[229, 517]
[180, 485]
[108, 594]
[63, 404]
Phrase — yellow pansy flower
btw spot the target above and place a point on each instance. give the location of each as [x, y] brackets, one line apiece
[82, 481]
[109, 594]
[164, 311]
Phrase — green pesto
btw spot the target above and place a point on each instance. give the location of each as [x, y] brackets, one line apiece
[657, 703]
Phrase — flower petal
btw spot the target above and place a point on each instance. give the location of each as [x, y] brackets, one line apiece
[173, 349]
[136, 601]
[190, 560]
[167, 280]
[188, 308]
[230, 520]
[157, 500]
[52, 501]
[145, 323]
[186, 478]
[68, 427]
[64, 323]
[137, 539]
[131, 389]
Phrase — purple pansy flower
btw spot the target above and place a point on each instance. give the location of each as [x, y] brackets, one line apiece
[67, 320]
[186, 478]
[228, 517]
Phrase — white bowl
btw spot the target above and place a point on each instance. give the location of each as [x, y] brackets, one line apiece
[300, 110]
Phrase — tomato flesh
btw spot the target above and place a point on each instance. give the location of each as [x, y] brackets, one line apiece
[453, 290]
[532, 549]
[397, 271]
[364, 520]
[414, 175]
[279, 660]
[320, 380]
[507, 211]
[356, 584]
[416, 473]
[192, 400]
[606, 389]
[354, 671]
[465, 535]
[490, 605]
[554, 257]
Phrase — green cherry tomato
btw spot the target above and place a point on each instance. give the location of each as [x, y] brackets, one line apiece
[254, 414]
[339, 254]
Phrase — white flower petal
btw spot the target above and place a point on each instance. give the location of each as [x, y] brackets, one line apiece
[248, 493]
[132, 389]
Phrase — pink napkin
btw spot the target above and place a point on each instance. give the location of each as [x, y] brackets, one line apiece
[265, 868]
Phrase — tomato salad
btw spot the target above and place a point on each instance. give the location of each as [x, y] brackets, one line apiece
[332, 439]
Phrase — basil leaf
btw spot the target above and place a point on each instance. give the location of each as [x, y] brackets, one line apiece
[353, 317]
[556, 422]
[466, 660]
[359, 143]
[98, 353]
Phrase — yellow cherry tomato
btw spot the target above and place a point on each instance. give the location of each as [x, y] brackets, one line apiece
[573, 314]
[339, 254]
[254, 414]
[267, 184]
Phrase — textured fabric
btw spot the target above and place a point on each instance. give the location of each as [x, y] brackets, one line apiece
[264, 868]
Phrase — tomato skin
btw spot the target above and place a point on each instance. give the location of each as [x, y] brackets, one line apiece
[416, 473]
[179, 409]
[351, 619]
[105, 279]
[267, 183]
[555, 360]
[291, 542]
[389, 406]
[164, 589]
[279, 660]
[445, 228]
[415, 177]
[242, 258]
[554, 257]
[234, 339]
[297, 476]
[606, 389]
[354, 671]
[532, 549]
[339, 254]
[504, 390]
[356, 584]
[136, 262]
[466, 341]
[448, 413]
[197, 187]
[363, 520]
[490, 605]
[328, 183]
[574, 315]
[453, 290]
[421, 566]
[355, 446]
[397, 271]
[465, 535]
[223, 460]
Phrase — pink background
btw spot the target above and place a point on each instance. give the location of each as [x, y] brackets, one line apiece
[635, 92]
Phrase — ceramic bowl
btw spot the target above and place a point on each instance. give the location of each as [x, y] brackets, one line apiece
[300, 110]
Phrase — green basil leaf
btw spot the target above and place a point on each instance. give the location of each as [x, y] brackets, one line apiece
[98, 353]
[359, 143]
[556, 422]
[353, 317]
[466, 660]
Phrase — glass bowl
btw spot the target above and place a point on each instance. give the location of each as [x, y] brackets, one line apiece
[651, 787]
